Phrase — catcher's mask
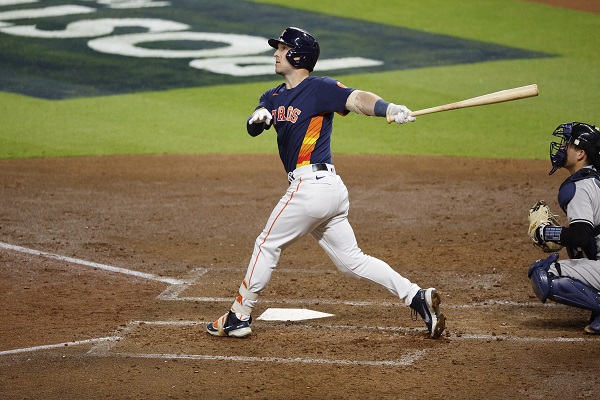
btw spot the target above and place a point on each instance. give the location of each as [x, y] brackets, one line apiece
[582, 135]
[304, 51]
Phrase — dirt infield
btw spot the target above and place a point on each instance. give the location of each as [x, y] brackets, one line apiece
[110, 268]
[592, 6]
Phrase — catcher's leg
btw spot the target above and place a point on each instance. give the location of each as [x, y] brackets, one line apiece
[538, 273]
[574, 293]
[564, 290]
[594, 326]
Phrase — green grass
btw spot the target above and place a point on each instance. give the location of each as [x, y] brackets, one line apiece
[211, 119]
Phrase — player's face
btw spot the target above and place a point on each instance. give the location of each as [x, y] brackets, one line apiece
[573, 157]
[282, 65]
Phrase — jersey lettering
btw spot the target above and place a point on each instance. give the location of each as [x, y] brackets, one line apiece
[281, 113]
[291, 115]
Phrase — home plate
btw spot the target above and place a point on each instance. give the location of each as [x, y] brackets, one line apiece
[291, 314]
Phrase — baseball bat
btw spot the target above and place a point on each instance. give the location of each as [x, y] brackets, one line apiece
[490, 98]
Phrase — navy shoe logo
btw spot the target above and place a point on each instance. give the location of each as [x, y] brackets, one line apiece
[320, 177]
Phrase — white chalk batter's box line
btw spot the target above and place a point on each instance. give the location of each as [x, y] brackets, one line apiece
[178, 286]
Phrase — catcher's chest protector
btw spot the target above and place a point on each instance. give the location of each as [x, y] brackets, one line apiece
[565, 195]
[567, 189]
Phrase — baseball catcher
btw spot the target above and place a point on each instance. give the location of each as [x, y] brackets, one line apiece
[574, 281]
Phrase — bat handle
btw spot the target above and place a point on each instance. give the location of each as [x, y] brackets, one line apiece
[390, 118]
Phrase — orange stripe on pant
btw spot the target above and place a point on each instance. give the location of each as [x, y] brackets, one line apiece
[269, 231]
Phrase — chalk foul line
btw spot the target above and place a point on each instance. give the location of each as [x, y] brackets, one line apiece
[406, 360]
[105, 267]
[59, 345]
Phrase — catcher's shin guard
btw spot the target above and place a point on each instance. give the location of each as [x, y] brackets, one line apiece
[560, 289]
[538, 273]
[574, 293]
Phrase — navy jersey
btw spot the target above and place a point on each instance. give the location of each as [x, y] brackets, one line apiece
[303, 119]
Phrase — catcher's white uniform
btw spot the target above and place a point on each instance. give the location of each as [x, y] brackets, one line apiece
[580, 199]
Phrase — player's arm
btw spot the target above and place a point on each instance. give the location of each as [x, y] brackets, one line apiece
[580, 231]
[577, 234]
[367, 103]
[259, 121]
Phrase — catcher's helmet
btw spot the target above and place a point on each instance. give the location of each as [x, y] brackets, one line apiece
[304, 50]
[582, 135]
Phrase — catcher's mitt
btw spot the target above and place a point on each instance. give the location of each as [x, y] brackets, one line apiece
[540, 215]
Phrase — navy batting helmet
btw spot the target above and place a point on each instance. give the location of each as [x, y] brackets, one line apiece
[582, 135]
[304, 51]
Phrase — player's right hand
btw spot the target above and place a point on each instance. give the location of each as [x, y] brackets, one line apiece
[399, 114]
[261, 115]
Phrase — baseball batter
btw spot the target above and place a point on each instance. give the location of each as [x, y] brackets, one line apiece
[574, 281]
[316, 203]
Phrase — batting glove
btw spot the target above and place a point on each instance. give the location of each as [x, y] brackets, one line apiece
[261, 115]
[399, 113]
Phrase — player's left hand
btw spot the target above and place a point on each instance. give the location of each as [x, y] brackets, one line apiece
[540, 216]
[399, 113]
[261, 115]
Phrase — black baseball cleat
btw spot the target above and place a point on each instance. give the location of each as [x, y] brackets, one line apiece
[426, 303]
[229, 325]
[594, 327]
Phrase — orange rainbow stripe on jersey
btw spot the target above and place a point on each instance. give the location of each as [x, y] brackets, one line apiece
[310, 140]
